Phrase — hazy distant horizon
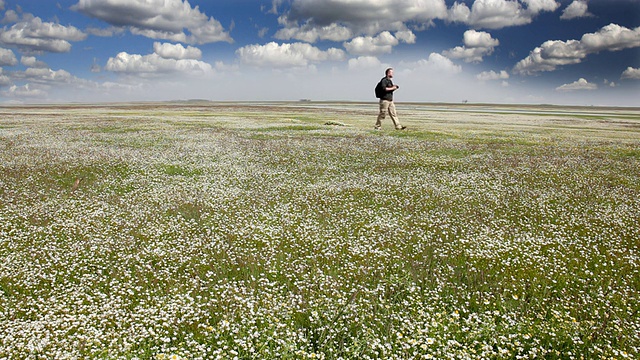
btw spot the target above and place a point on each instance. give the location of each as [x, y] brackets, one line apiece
[560, 52]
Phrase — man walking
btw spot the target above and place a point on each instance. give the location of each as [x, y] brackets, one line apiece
[386, 101]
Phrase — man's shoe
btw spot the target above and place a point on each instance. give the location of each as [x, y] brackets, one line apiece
[376, 128]
[401, 128]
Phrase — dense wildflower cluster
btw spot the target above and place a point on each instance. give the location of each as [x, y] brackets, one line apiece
[172, 233]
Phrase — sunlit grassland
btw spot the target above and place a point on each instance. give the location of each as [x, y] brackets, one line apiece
[270, 231]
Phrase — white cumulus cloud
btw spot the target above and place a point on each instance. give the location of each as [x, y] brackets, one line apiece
[383, 43]
[435, 63]
[580, 84]
[173, 20]
[492, 75]
[10, 17]
[311, 34]
[611, 38]
[176, 51]
[477, 44]
[31, 34]
[631, 73]
[46, 75]
[554, 53]
[286, 55]
[39, 81]
[497, 14]
[577, 9]
[406, 36]
[31, 61]
[7, 57]
[24, 91]
[340, 20]
[154, 64]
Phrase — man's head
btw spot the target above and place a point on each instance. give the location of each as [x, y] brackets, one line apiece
[389, 72]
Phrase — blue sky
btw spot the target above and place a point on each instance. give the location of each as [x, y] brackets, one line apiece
[565, 52]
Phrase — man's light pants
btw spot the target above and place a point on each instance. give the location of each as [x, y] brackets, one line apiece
[390, 107]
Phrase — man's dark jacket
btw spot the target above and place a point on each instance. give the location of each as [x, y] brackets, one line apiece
[387, 83]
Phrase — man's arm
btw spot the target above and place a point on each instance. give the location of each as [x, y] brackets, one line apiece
[389, 87]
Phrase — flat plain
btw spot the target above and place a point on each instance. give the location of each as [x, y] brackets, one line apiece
[203, 230]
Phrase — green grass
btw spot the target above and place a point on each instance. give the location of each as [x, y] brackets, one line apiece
[249, 238]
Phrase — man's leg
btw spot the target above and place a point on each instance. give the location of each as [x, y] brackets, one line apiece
[384, 106]
[394, 116]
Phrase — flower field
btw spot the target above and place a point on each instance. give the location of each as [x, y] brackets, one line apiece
[297, 231]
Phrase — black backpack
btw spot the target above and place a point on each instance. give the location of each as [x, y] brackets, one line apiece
[380, 90]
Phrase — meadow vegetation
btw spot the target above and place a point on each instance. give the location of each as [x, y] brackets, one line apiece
[257, 231]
